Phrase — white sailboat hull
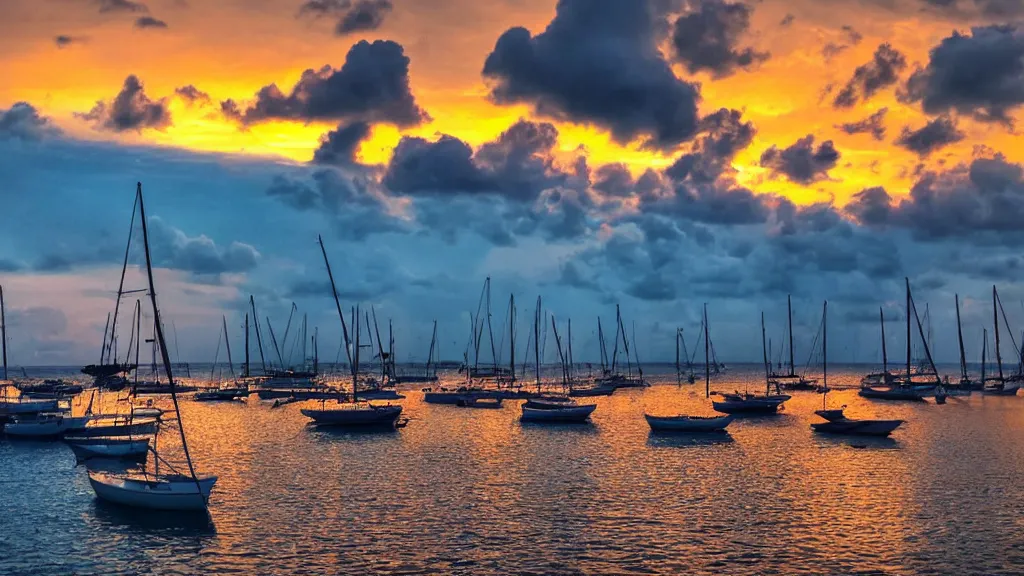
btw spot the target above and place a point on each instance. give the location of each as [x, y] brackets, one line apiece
[167, 493]
[688, 423]
[85, 448]
[578, 413]
[17, 407]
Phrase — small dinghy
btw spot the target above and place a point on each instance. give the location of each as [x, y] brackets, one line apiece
[178, 492]
[477, 402]
[688, 423]
[112, 447]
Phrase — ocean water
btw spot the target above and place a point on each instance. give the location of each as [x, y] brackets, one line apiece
[461, 491]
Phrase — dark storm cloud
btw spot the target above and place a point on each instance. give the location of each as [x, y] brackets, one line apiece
[199, 254]
[802, 163]
[126, 6]
[358, 16]
[371, 86]
[874, 125]
[712, 203]
[982, 202]
[597, 62]
[883, 71]
[981, 74]
[131, 109]
[338, 147]
[364, 15]
[7, 265]
[708, 38]
[934, 135]
[722, 135]
[149, 22]
[23, 121]
[517, 165]
[354, 210]
[192, 95]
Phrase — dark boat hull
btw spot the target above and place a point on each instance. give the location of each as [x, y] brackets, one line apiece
[879, 428]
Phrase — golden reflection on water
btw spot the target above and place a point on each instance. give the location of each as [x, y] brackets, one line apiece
[477, 492]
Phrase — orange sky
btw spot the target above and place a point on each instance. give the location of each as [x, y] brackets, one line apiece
[230, 49]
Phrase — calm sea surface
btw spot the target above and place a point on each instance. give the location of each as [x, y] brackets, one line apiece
[463, 491]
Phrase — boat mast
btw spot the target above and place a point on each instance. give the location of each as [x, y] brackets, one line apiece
[355, 361]
[924, 340]
[124, 268]
[337, 303]
[103, 348]
[3, 331]
[380, 344]
[561, 357]
[160, 335]
[316, 350]
[824, 353]
[490, 330]
[707, 356]
[259, 339]
[625, 343]
[789, 308]
[571, 364]
[615, 350]
[246, 374]
[603, 348]
[227, 344]
[273, 340]
[984, 348]
[679, 377]
[908, 331]
[536, 343]
[764, 351]
[995, 322]
[284, 340]
[138, 342]
[430, 353]
[512, 337]
[960, 339]
[885, 357]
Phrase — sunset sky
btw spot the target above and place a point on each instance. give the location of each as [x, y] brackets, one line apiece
[657, 154]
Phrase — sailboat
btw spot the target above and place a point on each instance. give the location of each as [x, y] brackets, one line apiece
[1000, 385]
[562, 409]
[904, 386]
[430, 371]
[836, 421]
[12, 403]
[965, 385]
[791, 380]
[611, 376]
[690, 377]
[748, 403]
[227, 391]
[353, 413]
[173, 490]
[687, 423]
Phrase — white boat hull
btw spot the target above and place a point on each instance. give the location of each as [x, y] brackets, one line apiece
[578, 413]
[1007, 390]
[85, 448]
[179, 493]
[688, 423]
[20, 407]
[33, 429]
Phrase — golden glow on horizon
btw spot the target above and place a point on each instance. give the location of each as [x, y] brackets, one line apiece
[782, 97]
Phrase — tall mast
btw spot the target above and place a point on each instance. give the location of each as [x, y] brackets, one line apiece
[984, 348]
[924, 339]
[512, 336]
[707, 356]
[960, 339]
[355, 361]
[995, 323]
[160, 334]
[908, 330]
[316, 350]
[569, 336]
[305, 335]
[246, 374]
[380, 345]
[284, 340]
[273, 340]
[885, 357]
[337, 303]
[138, 342]
[3, 331]
[625, 342]
[490, 330]
[824, 352]
[124, 268]
[561, 357]
[615, 350]
[764, 351]
[430, 353]
[789, 308]
[603, 347]
[536, 343]
[103, 348]
[227, 344]
[259, 339]
[679, 377]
